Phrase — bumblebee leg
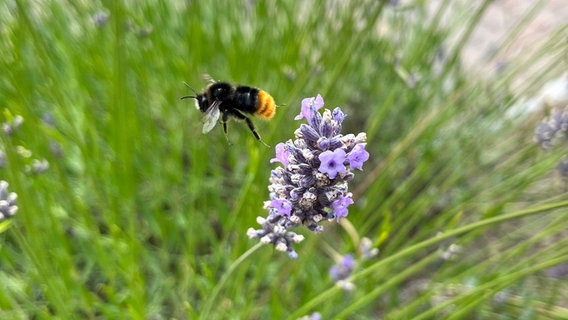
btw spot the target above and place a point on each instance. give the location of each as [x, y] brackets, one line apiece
[224, 120]
[253, 130]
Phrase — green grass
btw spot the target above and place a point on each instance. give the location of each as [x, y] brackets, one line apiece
[140, 216]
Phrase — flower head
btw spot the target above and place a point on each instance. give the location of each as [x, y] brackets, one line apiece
[312, 183]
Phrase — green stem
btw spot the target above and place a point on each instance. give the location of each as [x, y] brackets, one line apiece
[223, 281]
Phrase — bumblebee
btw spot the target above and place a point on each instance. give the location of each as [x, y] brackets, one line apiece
[221, 99]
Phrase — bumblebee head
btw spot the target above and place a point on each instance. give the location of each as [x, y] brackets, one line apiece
[201, 102]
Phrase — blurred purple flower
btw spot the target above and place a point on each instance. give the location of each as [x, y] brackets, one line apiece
[101, 18]
[8, 206]
[12, 125]
[340, 272]
[552, 130]
[343, 269]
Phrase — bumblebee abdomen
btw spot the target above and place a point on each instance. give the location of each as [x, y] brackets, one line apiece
[266, 106]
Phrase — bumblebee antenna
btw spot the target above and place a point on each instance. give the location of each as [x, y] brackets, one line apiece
[190, 97]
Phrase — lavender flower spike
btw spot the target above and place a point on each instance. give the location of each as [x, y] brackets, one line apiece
[311, 185]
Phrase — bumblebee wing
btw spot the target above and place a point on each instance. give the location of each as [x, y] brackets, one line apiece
[209, 79]
[211, 116]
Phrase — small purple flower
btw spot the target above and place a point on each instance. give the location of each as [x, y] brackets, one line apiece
[281, 154]
[307, 105]
[283, 207]
[358, 156]
[101, 19]
[332, 162]
[340, 206]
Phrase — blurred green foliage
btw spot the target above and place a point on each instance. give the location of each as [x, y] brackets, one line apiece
[140, 215]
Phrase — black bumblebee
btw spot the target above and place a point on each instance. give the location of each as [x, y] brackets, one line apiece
[233, 101]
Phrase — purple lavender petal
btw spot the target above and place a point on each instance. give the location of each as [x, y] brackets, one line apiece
[283, 207]
[282, 154]
[307, 104]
